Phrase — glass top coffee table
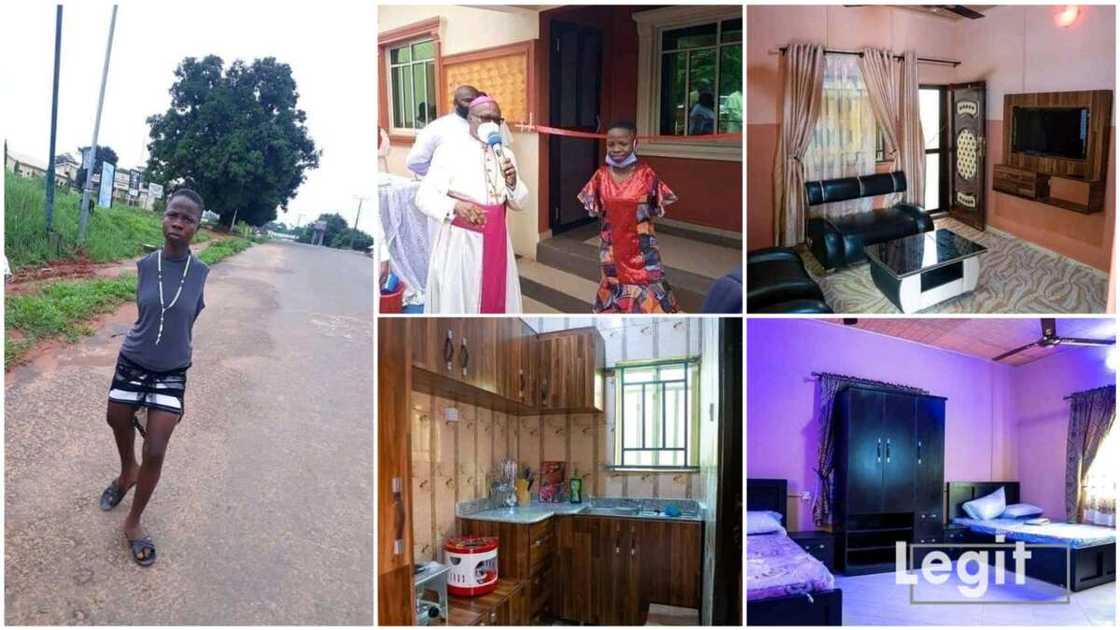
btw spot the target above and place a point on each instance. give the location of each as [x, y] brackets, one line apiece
[918, 271]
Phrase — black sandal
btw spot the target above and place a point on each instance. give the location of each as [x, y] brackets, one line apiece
[139, 547]
[113, 495]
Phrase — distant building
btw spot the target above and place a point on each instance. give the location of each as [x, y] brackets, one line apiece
[23, 165]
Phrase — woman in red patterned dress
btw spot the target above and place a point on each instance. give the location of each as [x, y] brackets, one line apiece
[627, 195]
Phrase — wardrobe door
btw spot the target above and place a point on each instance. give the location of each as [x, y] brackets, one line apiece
[865, 451]
[929, 457]
[898, 452]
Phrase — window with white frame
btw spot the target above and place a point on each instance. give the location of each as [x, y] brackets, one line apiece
[656, 418]
[412, 85]
[690, 80]
[701, 87]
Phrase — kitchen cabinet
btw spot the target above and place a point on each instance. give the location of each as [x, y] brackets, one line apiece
[610, 569]
[396, 600]
[478, 353]
[571, 364]
[517, 361]
[506, 605]
[435, 344]
[525, 553]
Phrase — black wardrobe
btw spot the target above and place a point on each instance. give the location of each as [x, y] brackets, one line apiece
[889, 459]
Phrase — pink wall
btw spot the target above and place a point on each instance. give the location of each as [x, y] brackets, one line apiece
[1042, 418]
[782, 433]
[1019, 49]
[1014, 49]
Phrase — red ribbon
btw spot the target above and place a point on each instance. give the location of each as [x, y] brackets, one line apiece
[571, 133]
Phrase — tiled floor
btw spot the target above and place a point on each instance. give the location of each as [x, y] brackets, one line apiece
[875, 600]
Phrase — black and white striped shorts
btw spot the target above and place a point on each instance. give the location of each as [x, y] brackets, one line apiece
[136, 386]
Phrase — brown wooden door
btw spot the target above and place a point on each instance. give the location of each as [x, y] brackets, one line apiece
[576, 568]
[630, 600]
[394, 478]
[968, 153]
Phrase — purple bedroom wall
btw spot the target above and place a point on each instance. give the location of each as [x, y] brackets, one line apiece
[782, 433]
[1042, 418]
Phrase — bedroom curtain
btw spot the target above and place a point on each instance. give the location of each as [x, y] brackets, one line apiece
[1091, 491]
[803, 74]
[828, 385]
[843, 143]
[912, 145]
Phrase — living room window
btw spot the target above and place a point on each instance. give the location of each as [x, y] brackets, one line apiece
[933, 111]
[412, 84]
[656, 415]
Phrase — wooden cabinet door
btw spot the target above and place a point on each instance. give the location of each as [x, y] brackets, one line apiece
[435, 344]
[547, 367]
[671, 563]
[863, 418]
[510, 348]
[478, 354]
[630, 600]
[899, 460]
[576, 568]
[529, 366]
[929, 457]
[606, 550]
[396, 603]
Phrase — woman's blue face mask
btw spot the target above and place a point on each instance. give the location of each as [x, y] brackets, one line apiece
[624, 162]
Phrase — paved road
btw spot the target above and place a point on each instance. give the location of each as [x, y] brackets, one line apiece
[264, 513]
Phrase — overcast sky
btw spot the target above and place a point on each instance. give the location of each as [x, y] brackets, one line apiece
[331, 47]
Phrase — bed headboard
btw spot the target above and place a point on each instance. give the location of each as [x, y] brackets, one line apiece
[768, 494]
[961, 492]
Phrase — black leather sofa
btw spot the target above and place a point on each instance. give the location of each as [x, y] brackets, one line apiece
[839, 242]
[778, 283]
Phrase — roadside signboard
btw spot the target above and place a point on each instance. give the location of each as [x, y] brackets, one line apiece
[105, 195]
[155, 191]
[133, 183]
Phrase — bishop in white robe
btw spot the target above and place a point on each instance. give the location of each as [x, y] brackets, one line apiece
[472, 268]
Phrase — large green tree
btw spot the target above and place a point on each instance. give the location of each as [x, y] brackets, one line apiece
[234, 135]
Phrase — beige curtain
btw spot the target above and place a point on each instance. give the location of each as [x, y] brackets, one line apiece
[881, 75]
[912, 146]
[803, 79]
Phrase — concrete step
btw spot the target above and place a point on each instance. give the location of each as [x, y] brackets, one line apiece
[573, 254]
[555, 290]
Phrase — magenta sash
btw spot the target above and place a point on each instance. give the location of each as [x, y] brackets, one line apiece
[495, 261]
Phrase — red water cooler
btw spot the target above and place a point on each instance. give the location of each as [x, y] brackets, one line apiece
[474, 565]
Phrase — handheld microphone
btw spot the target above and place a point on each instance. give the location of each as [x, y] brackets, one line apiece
[494, 139]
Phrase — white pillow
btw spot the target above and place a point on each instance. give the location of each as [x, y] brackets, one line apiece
[986, 507]
[764, 522]
[1021, 510]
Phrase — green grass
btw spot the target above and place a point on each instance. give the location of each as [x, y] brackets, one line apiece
[113, 233]
[60, 309]
[223, 249]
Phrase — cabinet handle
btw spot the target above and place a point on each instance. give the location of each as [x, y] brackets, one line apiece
[633, 545]
[448, 350]
[919, 451]
[521, 391]
[464, 356]
[878, 450]
[888, 450]
[398, 517]
[537, 543]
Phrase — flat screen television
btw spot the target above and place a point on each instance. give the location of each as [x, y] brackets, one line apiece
[1051, 131]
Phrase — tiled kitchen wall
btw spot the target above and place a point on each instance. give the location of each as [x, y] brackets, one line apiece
[451, 461]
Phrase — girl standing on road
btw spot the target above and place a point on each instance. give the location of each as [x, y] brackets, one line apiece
[152, 367]
[627, 195]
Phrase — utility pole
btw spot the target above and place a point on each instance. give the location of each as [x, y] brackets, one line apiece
[356, 219]
[83, 216]
[49, 210]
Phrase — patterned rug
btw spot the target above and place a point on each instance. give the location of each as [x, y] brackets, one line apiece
[1015, 277]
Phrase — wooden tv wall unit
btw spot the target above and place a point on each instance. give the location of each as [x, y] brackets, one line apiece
[1073, 184]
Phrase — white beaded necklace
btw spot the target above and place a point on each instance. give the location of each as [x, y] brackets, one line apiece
[159, 275]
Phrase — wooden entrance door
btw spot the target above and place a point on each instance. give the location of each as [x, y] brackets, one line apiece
[968, 166]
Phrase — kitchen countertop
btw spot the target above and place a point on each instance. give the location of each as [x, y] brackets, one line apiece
[537, 512]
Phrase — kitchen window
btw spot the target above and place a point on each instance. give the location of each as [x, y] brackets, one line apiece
[412, 85]
[656, 415]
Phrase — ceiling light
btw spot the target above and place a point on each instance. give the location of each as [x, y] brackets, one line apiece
[1067, 16]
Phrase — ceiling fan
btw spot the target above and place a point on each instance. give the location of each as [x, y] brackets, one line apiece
[959, 9]
[1050, 338]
